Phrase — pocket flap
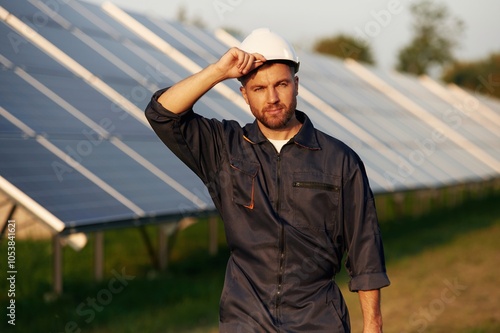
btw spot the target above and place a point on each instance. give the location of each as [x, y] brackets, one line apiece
[249, 168]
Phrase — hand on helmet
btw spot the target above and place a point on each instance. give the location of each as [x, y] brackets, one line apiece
[236, 63]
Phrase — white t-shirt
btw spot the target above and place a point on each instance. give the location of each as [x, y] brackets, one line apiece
[278, 144]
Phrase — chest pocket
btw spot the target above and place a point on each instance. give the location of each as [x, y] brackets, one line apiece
[243, 175]
[315, 200]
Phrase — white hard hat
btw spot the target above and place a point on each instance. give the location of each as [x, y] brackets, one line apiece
[271, 45]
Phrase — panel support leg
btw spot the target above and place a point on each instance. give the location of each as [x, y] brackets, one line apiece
[57, 265]
[162, 248]
[98, 255]
[213, 235]
[149, 246]
[9, 217]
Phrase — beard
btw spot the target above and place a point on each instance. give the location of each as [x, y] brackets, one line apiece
[276, 121]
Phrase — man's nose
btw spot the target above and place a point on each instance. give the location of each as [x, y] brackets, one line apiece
[272, 96]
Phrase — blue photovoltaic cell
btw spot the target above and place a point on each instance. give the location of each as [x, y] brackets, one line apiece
[200, 59]
[18, 96]
[52, 183]
[446, 112]
[203, 38]
[106, 69]
[463, 125]
[166, 161]
[111, 25]
[128, 177]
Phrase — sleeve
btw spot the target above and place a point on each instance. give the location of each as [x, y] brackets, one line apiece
[195, 140]
[365, 261]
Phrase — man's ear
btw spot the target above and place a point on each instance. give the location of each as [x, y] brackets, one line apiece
[296, 85]
[244, 94]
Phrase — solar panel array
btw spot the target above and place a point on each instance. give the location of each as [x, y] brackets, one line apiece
[77, 152]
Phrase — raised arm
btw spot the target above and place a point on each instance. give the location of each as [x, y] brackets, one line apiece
[233, 64]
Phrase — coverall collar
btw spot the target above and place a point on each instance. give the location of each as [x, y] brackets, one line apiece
[306, 136]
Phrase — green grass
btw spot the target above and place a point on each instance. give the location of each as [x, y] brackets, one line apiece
[185, 297]
[459, 244]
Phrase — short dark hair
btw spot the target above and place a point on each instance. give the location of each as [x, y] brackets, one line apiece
[293, 67]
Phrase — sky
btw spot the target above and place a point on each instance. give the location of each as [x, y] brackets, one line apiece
[384, 24]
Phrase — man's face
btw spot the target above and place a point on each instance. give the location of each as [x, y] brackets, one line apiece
[271, 93]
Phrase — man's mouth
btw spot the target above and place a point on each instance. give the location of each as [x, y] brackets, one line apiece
[273, 111]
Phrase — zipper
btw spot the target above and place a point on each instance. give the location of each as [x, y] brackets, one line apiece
[278, 181]
[317, 185]
[281, 247]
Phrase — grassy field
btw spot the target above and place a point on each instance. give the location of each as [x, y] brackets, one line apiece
[444, 270]
[443, 266]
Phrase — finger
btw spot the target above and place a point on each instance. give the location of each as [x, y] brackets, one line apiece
[259, 58]
[240, 56]
[246, 64]
[251, 64]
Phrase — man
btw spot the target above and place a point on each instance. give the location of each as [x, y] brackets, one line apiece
[293, 199]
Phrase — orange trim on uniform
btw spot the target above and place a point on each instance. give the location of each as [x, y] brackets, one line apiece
[247, 139]
[251, 199]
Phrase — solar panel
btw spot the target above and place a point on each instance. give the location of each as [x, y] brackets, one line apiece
[81, 123]
[75, 140]
[32, 168]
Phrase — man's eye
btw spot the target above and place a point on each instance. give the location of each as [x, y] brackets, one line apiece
[257, 89]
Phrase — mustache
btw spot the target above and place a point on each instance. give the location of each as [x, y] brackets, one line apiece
[274, 107]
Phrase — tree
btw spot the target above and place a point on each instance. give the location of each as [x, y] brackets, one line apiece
[436, 35]
[182, 17]
[343, 46]
[482, 76]
[182, 14]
